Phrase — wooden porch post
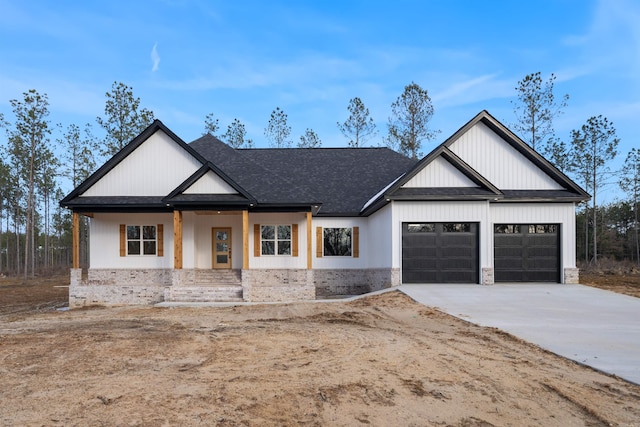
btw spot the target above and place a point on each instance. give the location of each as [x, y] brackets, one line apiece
[177, 240]
[75, 233]
[309, 252]
[245, 240]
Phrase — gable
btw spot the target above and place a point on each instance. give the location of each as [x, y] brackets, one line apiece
[439, 173]
[154, 168]
[210, 183]
[499, 162]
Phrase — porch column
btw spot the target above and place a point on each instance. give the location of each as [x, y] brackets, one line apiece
[177, 240]
[75, 246]
[245, 240]
[309, 252]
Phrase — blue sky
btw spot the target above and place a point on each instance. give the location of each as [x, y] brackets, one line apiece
[242, 59]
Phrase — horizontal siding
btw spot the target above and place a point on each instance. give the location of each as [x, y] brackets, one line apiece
[499, 162]
[439, 173]
[155, 168]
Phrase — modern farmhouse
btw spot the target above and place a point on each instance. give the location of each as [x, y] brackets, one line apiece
[171, 221]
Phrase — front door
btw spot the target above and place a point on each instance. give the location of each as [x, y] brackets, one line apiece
[221, 242]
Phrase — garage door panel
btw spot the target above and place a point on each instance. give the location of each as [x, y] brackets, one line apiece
[527, 253]
[510, 252]
[440, 253]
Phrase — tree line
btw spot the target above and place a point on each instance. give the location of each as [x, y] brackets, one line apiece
[35, 233]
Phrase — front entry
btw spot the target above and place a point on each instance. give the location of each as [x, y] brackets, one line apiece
[221, 247]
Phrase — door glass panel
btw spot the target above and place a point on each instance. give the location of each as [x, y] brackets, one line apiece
[221, 259]
[421, 228]
[222, 247]
[221, 235]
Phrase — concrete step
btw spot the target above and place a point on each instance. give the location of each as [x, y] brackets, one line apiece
[218, 278]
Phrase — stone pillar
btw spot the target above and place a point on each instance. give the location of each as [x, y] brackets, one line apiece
[487, 276]
[572, 276]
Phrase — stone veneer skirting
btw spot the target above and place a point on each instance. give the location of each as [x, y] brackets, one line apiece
[149, 286]
[118, 286]
[277, 285]
[354, 281]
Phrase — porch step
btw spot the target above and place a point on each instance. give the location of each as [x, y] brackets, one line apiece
[203, 294]
[218, 278]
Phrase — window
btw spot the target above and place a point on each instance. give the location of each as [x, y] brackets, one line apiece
[276, 239]
[337, 242]
[421, 228]
[507, 229]
[141, 240]
[456, 228]
[542, 229]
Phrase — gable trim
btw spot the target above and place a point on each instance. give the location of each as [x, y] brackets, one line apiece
[124, 153]
[208, 166]
[522, 147]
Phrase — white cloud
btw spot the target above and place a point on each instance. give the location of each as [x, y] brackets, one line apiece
[155, 58]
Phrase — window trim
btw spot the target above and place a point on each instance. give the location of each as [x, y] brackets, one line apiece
[351, 242]
[141, 240]
[276, 240]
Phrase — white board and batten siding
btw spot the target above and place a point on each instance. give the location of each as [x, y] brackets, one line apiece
[343, 262]
[154, 168]
[210, 183]
[278, 261]
[379, 248]
[424, 212]
[439, 173]
[201, 237]
[542, 213]
[499, 162]
[105, 241]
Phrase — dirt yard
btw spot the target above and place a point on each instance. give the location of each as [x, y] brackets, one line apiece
[382, 360]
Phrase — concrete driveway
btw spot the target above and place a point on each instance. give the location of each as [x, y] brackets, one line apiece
[598, 328]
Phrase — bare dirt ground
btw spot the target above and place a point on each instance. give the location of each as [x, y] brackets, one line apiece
[382, 360]
[628, 284]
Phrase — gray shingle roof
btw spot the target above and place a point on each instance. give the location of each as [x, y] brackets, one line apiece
[337, 181]
[340, 179]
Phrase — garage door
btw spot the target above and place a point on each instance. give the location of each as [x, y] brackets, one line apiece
[527, 253]
[439, 252]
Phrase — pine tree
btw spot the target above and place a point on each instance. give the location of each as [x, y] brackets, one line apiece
[278, 131]
[536, 109]
[236, 135]
[592, 147]
[409, 125]
[310, 139]
[123, 120]
[359, 127]
[29, 140]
